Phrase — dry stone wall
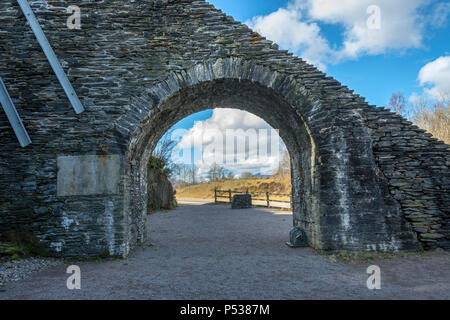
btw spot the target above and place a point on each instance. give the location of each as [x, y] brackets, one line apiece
[241, 201]
[363, 178]
[416, 166]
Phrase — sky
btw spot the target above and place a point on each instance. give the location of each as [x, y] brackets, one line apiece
[375, 47]
[239, 141]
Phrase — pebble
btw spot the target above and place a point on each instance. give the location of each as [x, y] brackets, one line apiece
[20, 269]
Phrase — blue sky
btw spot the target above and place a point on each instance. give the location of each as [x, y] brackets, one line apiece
[406, 50]
[374, 76]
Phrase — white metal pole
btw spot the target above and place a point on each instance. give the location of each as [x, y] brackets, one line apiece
[51, 57]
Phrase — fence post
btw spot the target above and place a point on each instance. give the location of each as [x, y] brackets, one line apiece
[268, 200]
[229, 195]
[215, 195]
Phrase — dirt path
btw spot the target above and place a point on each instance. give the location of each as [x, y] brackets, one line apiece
[274, 204]
[213, 252]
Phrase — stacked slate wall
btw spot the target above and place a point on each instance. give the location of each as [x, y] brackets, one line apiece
[126, 48]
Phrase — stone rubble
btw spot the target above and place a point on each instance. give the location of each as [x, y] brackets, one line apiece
[241, 201]
[20, 269]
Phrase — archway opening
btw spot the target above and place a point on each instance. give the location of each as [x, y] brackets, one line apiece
[213, 155]
[229, 94]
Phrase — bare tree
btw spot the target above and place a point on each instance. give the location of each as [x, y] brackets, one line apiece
[433, 117]
[212, 172]
[284, 167]
[216, 172]
[185, 174]
[193, 174]
[163, 153]
[397, 103]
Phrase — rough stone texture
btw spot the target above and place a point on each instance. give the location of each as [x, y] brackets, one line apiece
[241, 201]
[417, 169]
[160, 193]
[363, 178]
[20, 269]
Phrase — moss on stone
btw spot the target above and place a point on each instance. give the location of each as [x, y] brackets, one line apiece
[370, 257]
[21, 245]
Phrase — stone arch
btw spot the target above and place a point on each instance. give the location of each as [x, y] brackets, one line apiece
[323, 152]
[380, 182]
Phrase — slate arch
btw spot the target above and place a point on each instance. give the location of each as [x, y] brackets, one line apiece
[337, 210]
[377, 181]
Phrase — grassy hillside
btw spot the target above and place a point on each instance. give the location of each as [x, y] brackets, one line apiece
[206, 190]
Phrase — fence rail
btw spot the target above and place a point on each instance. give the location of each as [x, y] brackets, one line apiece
[260, 196]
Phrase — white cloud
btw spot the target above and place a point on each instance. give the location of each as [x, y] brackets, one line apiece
[415, 98]
[296, 27]
[205, 134]
[439, 16]
[399, 28]
[435, 77]
[287, 29]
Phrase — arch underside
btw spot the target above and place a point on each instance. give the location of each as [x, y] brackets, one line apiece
[330, 201]
[236, 94]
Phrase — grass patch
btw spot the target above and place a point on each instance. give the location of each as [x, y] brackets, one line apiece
[370, 257]
[103, 257]
[149, 213]
[21, 245]
[255, 185]
[11, 251]
[362, 257]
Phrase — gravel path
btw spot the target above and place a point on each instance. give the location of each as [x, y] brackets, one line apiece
[15, 270]
[213, 252]
[273, 204]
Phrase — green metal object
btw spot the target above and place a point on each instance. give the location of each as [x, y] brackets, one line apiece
[297, 238]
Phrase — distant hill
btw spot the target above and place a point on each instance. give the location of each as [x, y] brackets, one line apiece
[206, 190]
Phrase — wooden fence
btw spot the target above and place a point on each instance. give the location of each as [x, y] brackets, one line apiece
[220, 195]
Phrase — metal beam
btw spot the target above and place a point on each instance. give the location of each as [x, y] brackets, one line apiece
[13, 116]
[50, 54]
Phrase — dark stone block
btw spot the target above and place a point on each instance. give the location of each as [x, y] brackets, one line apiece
[241, 201]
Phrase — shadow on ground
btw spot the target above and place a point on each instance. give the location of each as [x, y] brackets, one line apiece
[213, 252]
